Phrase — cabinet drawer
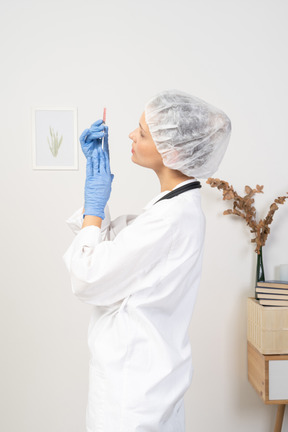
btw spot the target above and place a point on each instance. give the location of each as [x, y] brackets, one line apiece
[278, 379]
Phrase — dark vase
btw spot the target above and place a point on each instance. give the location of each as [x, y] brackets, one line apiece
[260, 277]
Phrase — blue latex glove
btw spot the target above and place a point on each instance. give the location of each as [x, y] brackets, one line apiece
[98, 180]
[91, 138]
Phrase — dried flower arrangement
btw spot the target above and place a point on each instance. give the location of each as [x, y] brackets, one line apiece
[243, 207]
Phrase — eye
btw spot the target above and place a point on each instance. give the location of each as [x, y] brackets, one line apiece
[141, 134]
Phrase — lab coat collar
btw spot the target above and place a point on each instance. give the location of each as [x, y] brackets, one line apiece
[153, 201]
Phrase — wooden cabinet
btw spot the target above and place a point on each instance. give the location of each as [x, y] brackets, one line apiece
[267, 347]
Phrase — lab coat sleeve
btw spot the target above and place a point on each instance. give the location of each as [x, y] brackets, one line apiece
[109, 229]
[105, 272]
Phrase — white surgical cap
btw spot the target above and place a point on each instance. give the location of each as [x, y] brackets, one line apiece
[190, 134]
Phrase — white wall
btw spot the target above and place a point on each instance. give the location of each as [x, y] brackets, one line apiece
[90, 53]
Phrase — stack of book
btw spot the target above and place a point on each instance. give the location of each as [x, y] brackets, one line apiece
[272, 293]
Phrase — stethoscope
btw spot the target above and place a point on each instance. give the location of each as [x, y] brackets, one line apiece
[180, 190]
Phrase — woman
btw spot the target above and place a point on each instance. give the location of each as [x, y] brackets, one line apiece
[142, 273]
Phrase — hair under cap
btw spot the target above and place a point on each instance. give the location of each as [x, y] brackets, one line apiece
[190, 134]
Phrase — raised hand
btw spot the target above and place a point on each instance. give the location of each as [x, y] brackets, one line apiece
[92, 138]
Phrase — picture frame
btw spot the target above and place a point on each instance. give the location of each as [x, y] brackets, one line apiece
[54, 138]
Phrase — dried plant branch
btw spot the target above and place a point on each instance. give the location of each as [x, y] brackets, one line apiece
[244, 208]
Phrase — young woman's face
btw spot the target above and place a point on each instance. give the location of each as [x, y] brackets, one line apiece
[144, 151]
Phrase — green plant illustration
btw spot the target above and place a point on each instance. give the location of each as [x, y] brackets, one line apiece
[54, 142]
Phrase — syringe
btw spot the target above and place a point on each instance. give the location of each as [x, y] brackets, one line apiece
[104, 121]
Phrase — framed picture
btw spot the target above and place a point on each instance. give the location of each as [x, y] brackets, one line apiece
[54, 132]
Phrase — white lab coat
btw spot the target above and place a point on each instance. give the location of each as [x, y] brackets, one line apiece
[142, 275]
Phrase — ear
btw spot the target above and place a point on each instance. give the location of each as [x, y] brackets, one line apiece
[171, 157]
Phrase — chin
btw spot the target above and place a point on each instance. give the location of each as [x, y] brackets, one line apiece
[142, 164]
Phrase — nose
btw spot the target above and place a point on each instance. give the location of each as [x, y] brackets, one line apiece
[131, 135]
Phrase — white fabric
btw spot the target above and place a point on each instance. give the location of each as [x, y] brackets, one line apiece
[142, 275]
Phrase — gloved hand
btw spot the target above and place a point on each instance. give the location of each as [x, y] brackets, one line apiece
[91, 138]
[98, 180]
